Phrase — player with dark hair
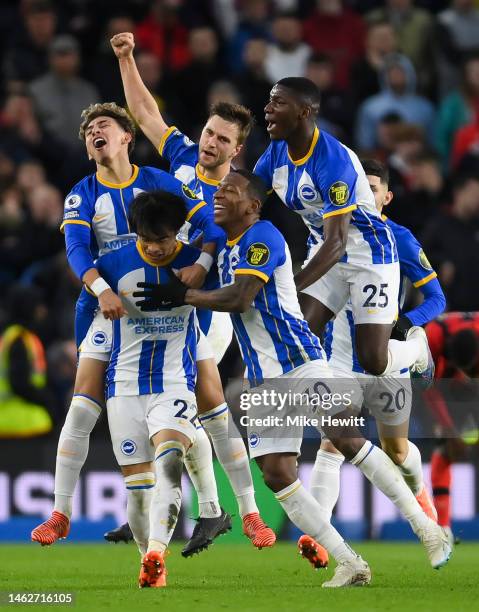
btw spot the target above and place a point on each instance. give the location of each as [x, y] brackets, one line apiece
[96, 222]
[352, 251]
[202, 166]
[257, 288]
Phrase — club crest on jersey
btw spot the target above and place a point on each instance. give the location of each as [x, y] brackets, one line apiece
[72, 201]
[189, 193]
[423, 260]
[258, 254]
[339, 193]
[128, 447]
[308, 193]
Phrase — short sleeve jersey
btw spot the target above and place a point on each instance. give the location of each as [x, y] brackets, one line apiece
[328, 181]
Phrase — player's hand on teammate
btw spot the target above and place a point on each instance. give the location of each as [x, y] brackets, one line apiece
[123, 44]
[161, 296]
[192, 276]
[111, 305]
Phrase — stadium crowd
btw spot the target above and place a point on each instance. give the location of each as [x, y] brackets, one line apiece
[399, 81]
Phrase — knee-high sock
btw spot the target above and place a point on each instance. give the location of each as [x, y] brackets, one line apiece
[166, 498]
[381, 471]
[325, 479]
[403, 354]
[411, 469]
[441, 487]
[305, 512]
[73, 449]
[139, 489]
[199, 463]
[232, 454]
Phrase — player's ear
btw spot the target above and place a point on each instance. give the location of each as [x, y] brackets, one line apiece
[388, 198]
[126, 139]
[236, 151]
[255, 206]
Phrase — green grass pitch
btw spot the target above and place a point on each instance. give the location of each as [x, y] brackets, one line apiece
[232, 576]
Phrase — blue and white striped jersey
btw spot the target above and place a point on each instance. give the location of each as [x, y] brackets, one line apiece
[152, 352]
[329, 180]
[339, 337]
[182, 153]
[272, 334]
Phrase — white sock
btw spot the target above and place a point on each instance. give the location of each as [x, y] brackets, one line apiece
[411, 469]
[232, 454]
[381, 471]
[72, 449]
[139, 489]
[199, 463]
[166, 499]
[305, 512]
[325, 478]
[403, 354]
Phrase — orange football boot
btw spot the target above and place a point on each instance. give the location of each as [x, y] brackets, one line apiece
[257, 531]
[426, 503]
[55, 528]
[312, 551]
[153, 570]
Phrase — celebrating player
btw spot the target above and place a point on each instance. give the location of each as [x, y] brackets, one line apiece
[257, 288]
[352, 252]
[202, 167]
[150, 378]
[387, 398]
[96, 222]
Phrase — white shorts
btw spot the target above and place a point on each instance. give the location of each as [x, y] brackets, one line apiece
[387, 398]
[133, 420]
[220, 334]
[203, 348]
[98, 340]
[314, 378]
[372, 288]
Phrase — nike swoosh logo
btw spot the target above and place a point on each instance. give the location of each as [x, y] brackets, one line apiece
[98, 218]
[124, 293]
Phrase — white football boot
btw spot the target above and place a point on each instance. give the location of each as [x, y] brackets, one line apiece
[354, 572]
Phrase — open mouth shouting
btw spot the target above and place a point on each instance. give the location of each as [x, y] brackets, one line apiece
[99, 142]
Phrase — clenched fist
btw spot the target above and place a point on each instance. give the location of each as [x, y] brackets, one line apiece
[123, 44]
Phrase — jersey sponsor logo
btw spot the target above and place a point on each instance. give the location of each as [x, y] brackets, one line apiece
[258, 254]
[128, 447]
[308, 193]
[113, 245]
[72, 201]
[169, 324]
[73, 214]
[339, 193]
[423, 260]
[188, 192]
[99, 338]
[254, 440]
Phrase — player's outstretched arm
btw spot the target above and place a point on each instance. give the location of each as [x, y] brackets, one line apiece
[334, 246]
[140, 102]
[233, 298]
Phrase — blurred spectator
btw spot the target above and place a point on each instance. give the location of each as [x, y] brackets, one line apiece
[194, 82]
[30, 174]
[164, 35]
[415, 206]
[365, 72]
[398, 95]
[338, 31]
[414, 29]
[62, 365]
[25, 398]
[222, 91]
[252, 81]
[253, 24]
[60, 95]
[451, 240]
[458, 35]
[335, 111]
[45, 206]
[27, 52]
[287, 54]
[465, 149]
[459, 108]
[105, 63]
